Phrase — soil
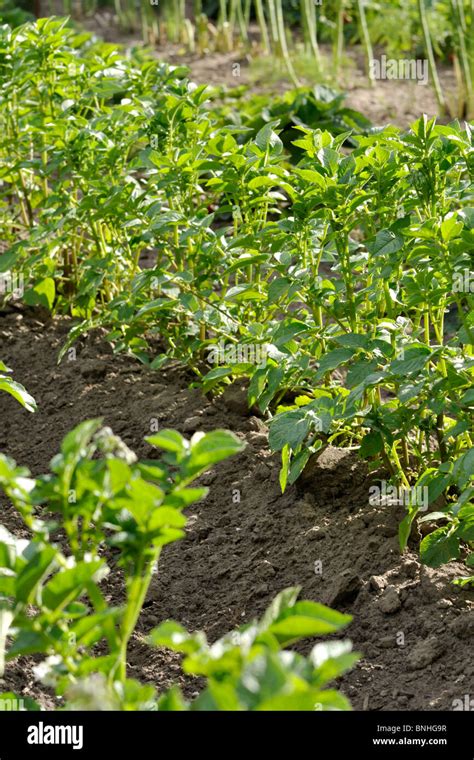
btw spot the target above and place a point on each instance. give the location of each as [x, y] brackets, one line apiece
[412, 625]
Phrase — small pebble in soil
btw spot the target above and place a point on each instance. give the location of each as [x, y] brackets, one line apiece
[265, 570]
[345, 588]
[235, 399]
[192, 424]
[387, 642]
[208, 477]
[463, 626]
[258, 425]
[444, 604]
[261, 471]
[377, 582]
[316, 534]
[410, 568]
[425, 652]
[389, 602]
[258, 439]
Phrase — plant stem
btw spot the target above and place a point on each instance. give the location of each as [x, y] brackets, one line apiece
[339, 37]
[263, 26]
[431, 59]
[369, 53]
[283, 43]
[137, 592]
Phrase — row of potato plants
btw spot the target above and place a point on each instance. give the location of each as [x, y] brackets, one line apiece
[346, 260]
[101, 513]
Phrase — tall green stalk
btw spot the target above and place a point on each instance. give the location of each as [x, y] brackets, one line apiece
[222, 12]
[460, 27]
[339, 38]
[283, 43]
[308, 17]
[429, 52]
[247, 9]
[305, 24]
[237, 14]
[263, 26]
[369, 53]
[273, 23]
[314, 29]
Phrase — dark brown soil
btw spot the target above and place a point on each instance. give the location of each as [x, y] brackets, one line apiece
[412, 625]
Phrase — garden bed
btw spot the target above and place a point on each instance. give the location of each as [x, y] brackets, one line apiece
[413, 627]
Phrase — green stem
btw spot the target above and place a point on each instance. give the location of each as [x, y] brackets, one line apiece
[369, 53]
[263, 26]
[431, 59]
[137, 592]
[339, 37]
[283, 43]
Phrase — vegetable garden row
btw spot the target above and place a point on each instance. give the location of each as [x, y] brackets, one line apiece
[327, 270]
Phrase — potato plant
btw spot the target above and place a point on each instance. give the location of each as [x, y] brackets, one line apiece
[342, 258]
[101, 512]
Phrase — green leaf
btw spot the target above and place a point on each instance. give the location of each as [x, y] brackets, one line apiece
[287, 330]
[385, 243]
[298, 464]
[333, 359]
[371, 445]
[466, 519]
[169, 440]
[42, 294]
[414, 361]
[75, 442]
[289, 428]
[12, 702]
[451, 227]
[332, 659]
[69, 584]
[284, 601]
[174, 636]
[439, 547]
[208, 449]
[267, 139]
[307, 619]
[28, 642]
[18, 392]
[40, 562]
[172, 701]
